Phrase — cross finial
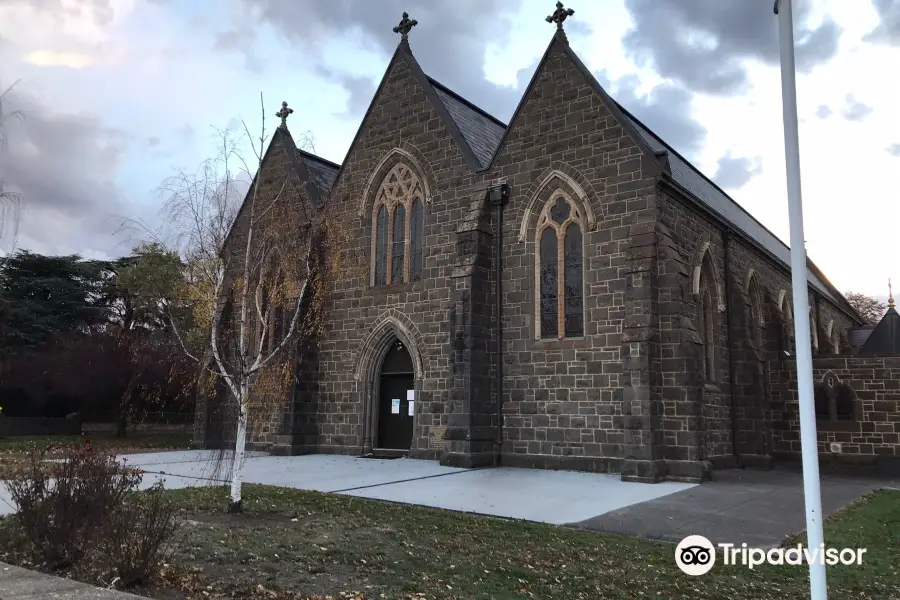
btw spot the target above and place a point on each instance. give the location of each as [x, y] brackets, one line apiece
[405, 26]
[559, 15]
[890, 294]
[284, 113]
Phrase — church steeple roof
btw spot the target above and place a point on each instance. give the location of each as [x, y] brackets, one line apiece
[885, 338]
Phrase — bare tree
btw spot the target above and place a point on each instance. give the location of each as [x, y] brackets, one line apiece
[255, 269]
[869, 308]
[10, 201]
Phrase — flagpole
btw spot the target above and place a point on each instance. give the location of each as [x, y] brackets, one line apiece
[808, 440]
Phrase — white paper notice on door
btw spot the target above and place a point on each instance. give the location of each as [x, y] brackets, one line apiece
[395, 406]
[412, 409]
[410, 395]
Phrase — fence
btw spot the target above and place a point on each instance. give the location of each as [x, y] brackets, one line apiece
[18, 426]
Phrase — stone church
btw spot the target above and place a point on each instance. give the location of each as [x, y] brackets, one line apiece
[565, 291]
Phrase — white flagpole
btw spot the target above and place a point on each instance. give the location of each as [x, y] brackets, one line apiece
[809, 443]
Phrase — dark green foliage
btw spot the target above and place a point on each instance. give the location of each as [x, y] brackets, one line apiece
[44, 296]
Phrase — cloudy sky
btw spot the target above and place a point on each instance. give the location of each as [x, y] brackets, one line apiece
[116, 94]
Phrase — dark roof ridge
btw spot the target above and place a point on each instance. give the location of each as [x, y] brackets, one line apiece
[318, 158]
[471, 105]
[670, 148]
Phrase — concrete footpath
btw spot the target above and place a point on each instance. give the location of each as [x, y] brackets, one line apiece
[760, 508]
[22, 584]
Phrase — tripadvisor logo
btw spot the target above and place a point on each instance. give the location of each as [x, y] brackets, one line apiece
[695, 555]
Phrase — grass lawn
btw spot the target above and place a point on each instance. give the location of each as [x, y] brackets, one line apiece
[14, 451]
[295, 544]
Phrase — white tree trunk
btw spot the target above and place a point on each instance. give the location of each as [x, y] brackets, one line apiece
[237, 467]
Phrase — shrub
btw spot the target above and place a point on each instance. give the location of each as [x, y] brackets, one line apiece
[138, 537]
[62, 504]
[82, 512]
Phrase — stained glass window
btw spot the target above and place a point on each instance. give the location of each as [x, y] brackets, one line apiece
[549, 284]
[398, 245]
[381, 228]
[416, 240]
[574, 316]
[702, 328]
[401, 195]
[560, 270]
[560, 211]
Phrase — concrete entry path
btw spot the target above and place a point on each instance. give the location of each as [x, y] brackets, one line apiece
[555, 497]
[738, 506]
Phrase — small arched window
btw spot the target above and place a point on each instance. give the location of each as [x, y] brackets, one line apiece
[813, 330]
[787, 323]
[559, 270]
[755, 316]
[706, 309]
[398, 230]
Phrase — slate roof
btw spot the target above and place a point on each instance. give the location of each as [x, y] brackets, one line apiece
[322, 172]
[484, 134]
[859, 336]
[481, 131]
[885, 338]
[690, 178]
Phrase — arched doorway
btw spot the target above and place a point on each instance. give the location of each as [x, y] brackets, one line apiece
[396, 382]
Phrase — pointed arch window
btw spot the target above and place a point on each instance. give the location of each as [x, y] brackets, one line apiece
[756, 314]
[787, 332]
[381, 236]
[398, 245]
[559, 270]
[416, 235]
[706, 321]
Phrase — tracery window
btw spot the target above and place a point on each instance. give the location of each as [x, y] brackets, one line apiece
[560, 270]
[398, 234]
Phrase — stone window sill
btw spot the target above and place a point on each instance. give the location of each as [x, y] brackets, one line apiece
[572, 342]
[829, 425]
[397, 288]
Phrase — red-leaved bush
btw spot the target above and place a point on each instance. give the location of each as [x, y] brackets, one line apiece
[83, 508]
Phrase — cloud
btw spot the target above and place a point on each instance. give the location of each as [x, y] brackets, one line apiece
[241, 39]
[49, 58]
[448, 41]
[894, 150]
[733, 172]
[666, 110]
[705, 44]
[823, 112]
[361, 89]
[854, 110]
[888, 29]
[64, 166]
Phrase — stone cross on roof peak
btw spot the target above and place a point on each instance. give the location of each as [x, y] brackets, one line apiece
[284, 113]
[890, 294]
[405, 26]
[559, 15]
